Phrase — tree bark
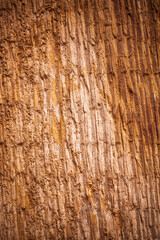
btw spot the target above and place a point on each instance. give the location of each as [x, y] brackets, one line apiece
[79, 119]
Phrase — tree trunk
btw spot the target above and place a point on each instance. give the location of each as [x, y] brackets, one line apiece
[79, 119]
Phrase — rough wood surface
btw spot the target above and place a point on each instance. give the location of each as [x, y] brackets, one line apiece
[79, 119]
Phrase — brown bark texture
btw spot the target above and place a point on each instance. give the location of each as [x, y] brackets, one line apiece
[79, 119]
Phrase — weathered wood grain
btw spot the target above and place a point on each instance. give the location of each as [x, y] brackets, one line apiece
[79, 119]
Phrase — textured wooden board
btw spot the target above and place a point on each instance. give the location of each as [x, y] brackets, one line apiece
[79, 119]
